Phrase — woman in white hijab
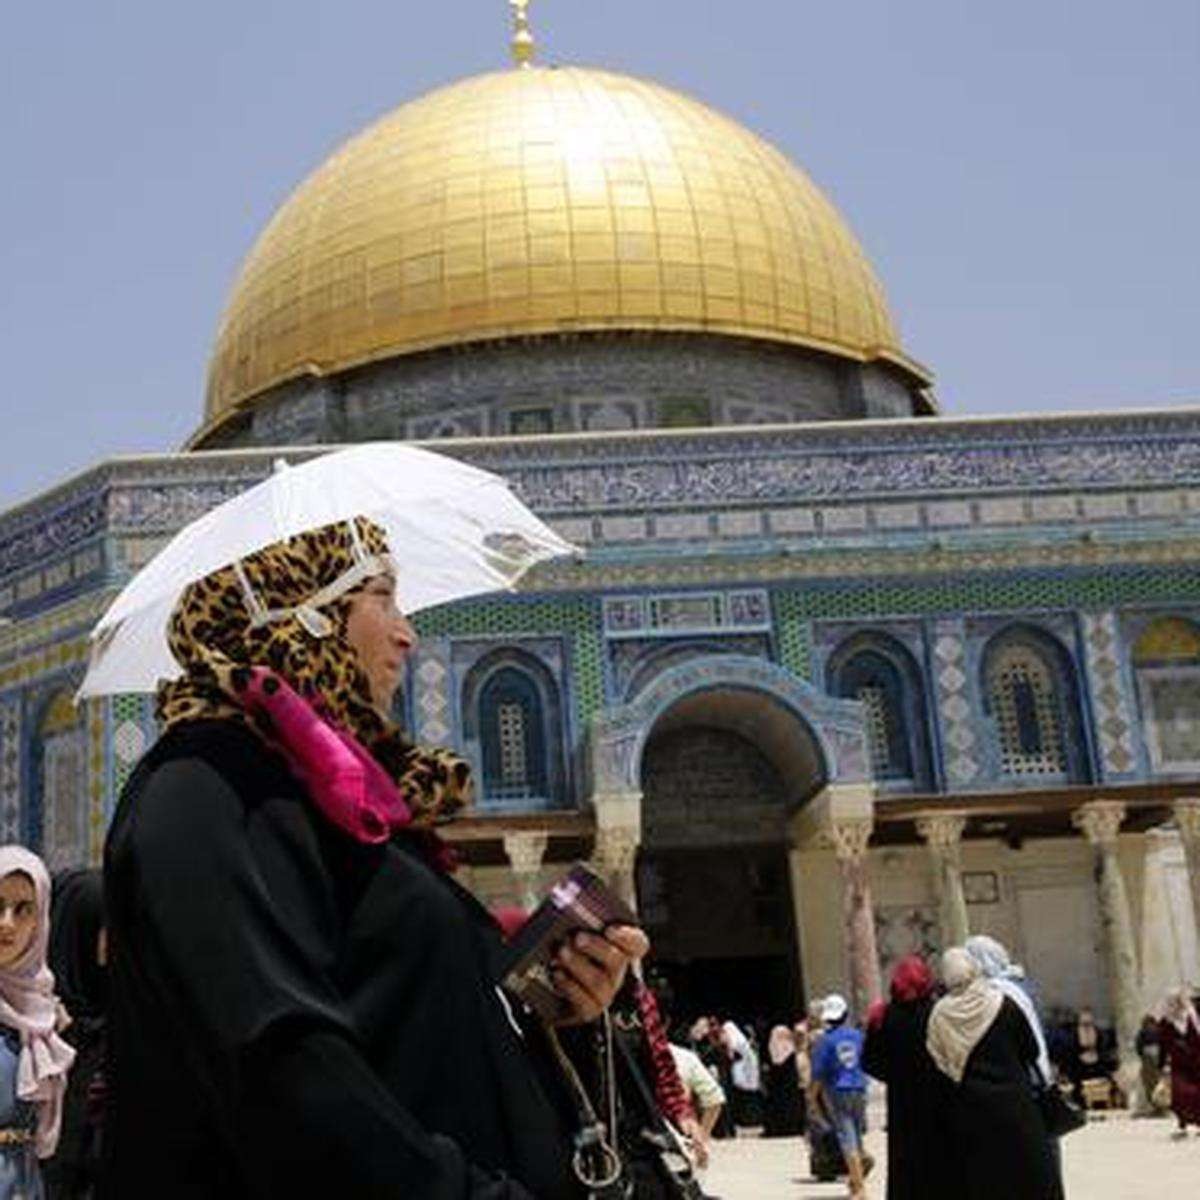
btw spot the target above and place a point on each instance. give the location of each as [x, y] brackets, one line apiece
[983, 1045]
[1007, 977]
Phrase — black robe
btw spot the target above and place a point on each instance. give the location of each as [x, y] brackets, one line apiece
[783, 1108]
[918, 1163]
[995, 1124]
[297, 1014]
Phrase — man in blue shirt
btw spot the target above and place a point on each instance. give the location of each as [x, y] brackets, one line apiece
[842, 1087]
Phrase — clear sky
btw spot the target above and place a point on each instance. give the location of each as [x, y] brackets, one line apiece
[1025, 176]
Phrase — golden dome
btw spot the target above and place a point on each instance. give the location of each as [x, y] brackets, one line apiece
[544, 201]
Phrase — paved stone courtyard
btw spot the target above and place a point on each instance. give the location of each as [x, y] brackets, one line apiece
[1113, 1158]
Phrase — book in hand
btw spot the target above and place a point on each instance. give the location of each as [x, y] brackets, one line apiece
[580, 900]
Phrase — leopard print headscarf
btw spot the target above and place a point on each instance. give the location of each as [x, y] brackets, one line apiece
[214, 637]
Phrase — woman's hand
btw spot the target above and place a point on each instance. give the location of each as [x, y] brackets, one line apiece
[589, 969]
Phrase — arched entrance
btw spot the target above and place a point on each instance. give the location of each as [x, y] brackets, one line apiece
[722, 769]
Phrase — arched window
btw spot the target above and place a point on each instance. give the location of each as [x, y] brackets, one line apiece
[61, 767]
[882, 675]
[513, 730]
[1166, 660]
[1029, 690]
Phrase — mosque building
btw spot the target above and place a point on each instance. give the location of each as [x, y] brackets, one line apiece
[835, 677]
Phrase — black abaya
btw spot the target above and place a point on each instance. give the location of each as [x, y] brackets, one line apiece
[783, 1108]
[295, 1013]
[895, 1054]
[994, 1121]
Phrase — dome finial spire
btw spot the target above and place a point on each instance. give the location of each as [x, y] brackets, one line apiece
[522, 44]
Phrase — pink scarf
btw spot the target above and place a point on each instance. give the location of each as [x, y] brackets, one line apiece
[344, 781]
[29, 1006]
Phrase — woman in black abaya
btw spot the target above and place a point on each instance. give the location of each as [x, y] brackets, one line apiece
[303, 1000]
[783, 1110]
[918, 1164]
[983, 1045]
[77, 960]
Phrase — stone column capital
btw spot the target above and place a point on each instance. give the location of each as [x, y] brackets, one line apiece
[616, 847]
[942, 831]
[525, 850]
[850, 837]
[1100, 821]
[1187, 816]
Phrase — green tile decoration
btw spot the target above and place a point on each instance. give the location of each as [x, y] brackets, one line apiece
[793, 633]
[976, 595]
[576, 617]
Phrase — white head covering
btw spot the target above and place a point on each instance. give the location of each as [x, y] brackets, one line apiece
[961, 1018]
[781, 1045]
[1180, 1011]
[29, 1006]
[834, 1008]
[999, 970]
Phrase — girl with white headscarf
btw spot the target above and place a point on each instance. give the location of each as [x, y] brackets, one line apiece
[34, 1059]
[983, 1045]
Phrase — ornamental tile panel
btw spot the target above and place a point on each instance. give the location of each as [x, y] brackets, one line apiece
[792, 520]
[1113, 709]
[1159, 504]
[848, 519]
[1006, 510]
[431, 692]
[897, 516]
[944, 514]
[1106, 507]
[623, 529]
[738, 523]
[962, 752]
[10, 768]
[1049, 509]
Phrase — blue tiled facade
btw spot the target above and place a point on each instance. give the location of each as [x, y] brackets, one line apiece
[708, 551]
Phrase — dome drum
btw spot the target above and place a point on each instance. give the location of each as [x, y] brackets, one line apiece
[578, 384]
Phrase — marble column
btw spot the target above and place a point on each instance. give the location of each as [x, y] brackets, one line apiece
[525, 850]
[943, 835]
[1187, 817]
[614, 857]
[850, 838]
[1100, 822]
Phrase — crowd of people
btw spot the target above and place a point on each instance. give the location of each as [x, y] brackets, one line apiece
[973, 1078]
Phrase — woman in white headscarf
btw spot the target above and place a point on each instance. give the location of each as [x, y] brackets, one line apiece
[1003, 974]
[983, 1044]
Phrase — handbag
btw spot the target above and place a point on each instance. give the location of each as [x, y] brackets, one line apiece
[1061, 1116]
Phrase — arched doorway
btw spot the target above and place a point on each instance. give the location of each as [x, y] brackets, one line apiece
[721, 772]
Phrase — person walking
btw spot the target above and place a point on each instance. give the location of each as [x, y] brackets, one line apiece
[841, 1087]
[895, 1053]
[77, 958]
[1147, 1047]
[1179, 1047]
[34, 1058]
[783, 1107]
[705, 1094]
[745, 1076]
[982, 1043]
[303, 1001]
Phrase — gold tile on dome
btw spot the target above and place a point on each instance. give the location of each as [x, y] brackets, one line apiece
[421, 232]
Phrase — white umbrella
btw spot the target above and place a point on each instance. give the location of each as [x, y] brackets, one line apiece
[454, 530]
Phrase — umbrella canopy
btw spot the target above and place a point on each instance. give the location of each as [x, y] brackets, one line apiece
[453, 529]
